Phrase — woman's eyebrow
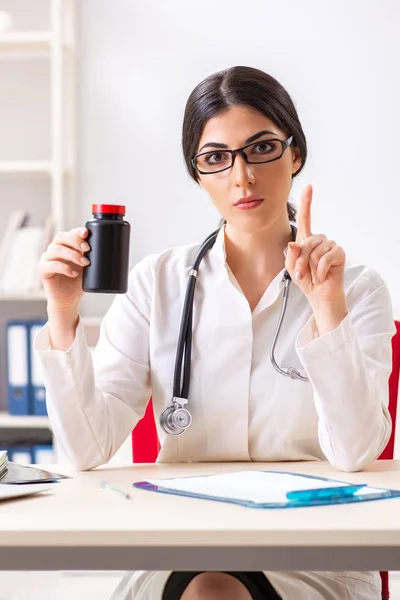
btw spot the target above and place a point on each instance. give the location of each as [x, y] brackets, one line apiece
[248, 141]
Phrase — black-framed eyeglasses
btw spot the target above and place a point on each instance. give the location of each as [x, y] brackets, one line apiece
[263, 151]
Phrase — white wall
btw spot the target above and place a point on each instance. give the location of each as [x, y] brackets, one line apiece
[139, 61]
[339, 61]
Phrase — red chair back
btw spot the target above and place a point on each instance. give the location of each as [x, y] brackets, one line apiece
[388, 452]
[145, 443]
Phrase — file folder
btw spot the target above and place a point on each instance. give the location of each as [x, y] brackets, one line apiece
[20, 454]
[43, 454]
[268, 489]
[17, 358]
[37, 389]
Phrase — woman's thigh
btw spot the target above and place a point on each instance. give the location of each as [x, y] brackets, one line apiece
[219, 586]
[215, 586]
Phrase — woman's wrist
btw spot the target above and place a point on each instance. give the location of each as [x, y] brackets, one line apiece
[67, 314]
[62, 328]
[328, 316]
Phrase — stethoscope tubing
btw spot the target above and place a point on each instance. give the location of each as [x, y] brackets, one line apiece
[181, 383]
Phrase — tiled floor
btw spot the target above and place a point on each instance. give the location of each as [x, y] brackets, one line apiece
[93, 585]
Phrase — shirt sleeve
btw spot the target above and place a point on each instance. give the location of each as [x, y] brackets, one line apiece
[94, 401]
[349, 369]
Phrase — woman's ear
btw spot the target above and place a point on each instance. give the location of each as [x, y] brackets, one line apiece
[296, 158]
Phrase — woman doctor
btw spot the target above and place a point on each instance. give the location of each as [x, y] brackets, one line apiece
[243, 143]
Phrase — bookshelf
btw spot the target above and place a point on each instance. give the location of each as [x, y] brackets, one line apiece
[37, 296]
[26, 167]
[37, 156]
[50, 42]
[30, 427]
[41, 55]
[17, 421]
[56, 46]
[31, 41]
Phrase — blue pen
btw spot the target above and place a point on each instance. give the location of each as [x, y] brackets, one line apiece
[332, 493]
[107, 486]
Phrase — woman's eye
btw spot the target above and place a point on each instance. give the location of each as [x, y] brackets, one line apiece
[215, 157]
[263, 148]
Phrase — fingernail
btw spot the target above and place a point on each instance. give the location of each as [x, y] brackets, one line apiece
[85, 261]
[297, 275]
[85, 246]
[75, 273]
[82, 232]
[315, 281]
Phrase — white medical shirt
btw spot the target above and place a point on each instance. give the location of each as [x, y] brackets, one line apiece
[242, 408]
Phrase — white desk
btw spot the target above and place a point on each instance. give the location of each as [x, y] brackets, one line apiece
[82, 526]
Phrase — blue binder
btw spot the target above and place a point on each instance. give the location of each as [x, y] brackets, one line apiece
[18, 368]
[20, 454]
[268, 489]
[43, 454]
[36, 380]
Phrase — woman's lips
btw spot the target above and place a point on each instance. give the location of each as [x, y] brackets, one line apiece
[248, 203]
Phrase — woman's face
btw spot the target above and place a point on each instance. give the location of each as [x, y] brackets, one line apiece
[269, 182]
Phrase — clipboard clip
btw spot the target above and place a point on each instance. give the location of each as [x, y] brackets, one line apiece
[331, 493]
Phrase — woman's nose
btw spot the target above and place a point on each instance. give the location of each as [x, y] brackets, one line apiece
[242, 172]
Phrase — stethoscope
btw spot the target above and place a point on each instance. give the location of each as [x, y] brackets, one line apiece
[176, 419]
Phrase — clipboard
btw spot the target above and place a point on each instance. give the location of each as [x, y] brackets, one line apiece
[268, 489]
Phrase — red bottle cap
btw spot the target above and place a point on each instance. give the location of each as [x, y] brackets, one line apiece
[109, 209]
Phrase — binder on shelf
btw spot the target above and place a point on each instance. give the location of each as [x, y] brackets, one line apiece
[17, 358]
[37, 389]
[43, 454]
[20, 454]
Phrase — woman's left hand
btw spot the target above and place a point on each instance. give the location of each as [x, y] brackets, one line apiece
[315, 264]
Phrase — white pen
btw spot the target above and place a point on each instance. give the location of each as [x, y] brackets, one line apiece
[106, 485]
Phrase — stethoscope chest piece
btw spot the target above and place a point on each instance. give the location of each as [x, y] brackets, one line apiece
[176, 419]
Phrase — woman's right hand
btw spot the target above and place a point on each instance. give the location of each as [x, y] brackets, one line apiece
[61, 267]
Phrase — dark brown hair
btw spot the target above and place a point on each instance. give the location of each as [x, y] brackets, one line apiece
[240, 86]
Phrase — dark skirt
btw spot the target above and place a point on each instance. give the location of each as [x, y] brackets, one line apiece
[255, 581]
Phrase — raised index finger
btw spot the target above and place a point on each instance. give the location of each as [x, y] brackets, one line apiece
[304, 214]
